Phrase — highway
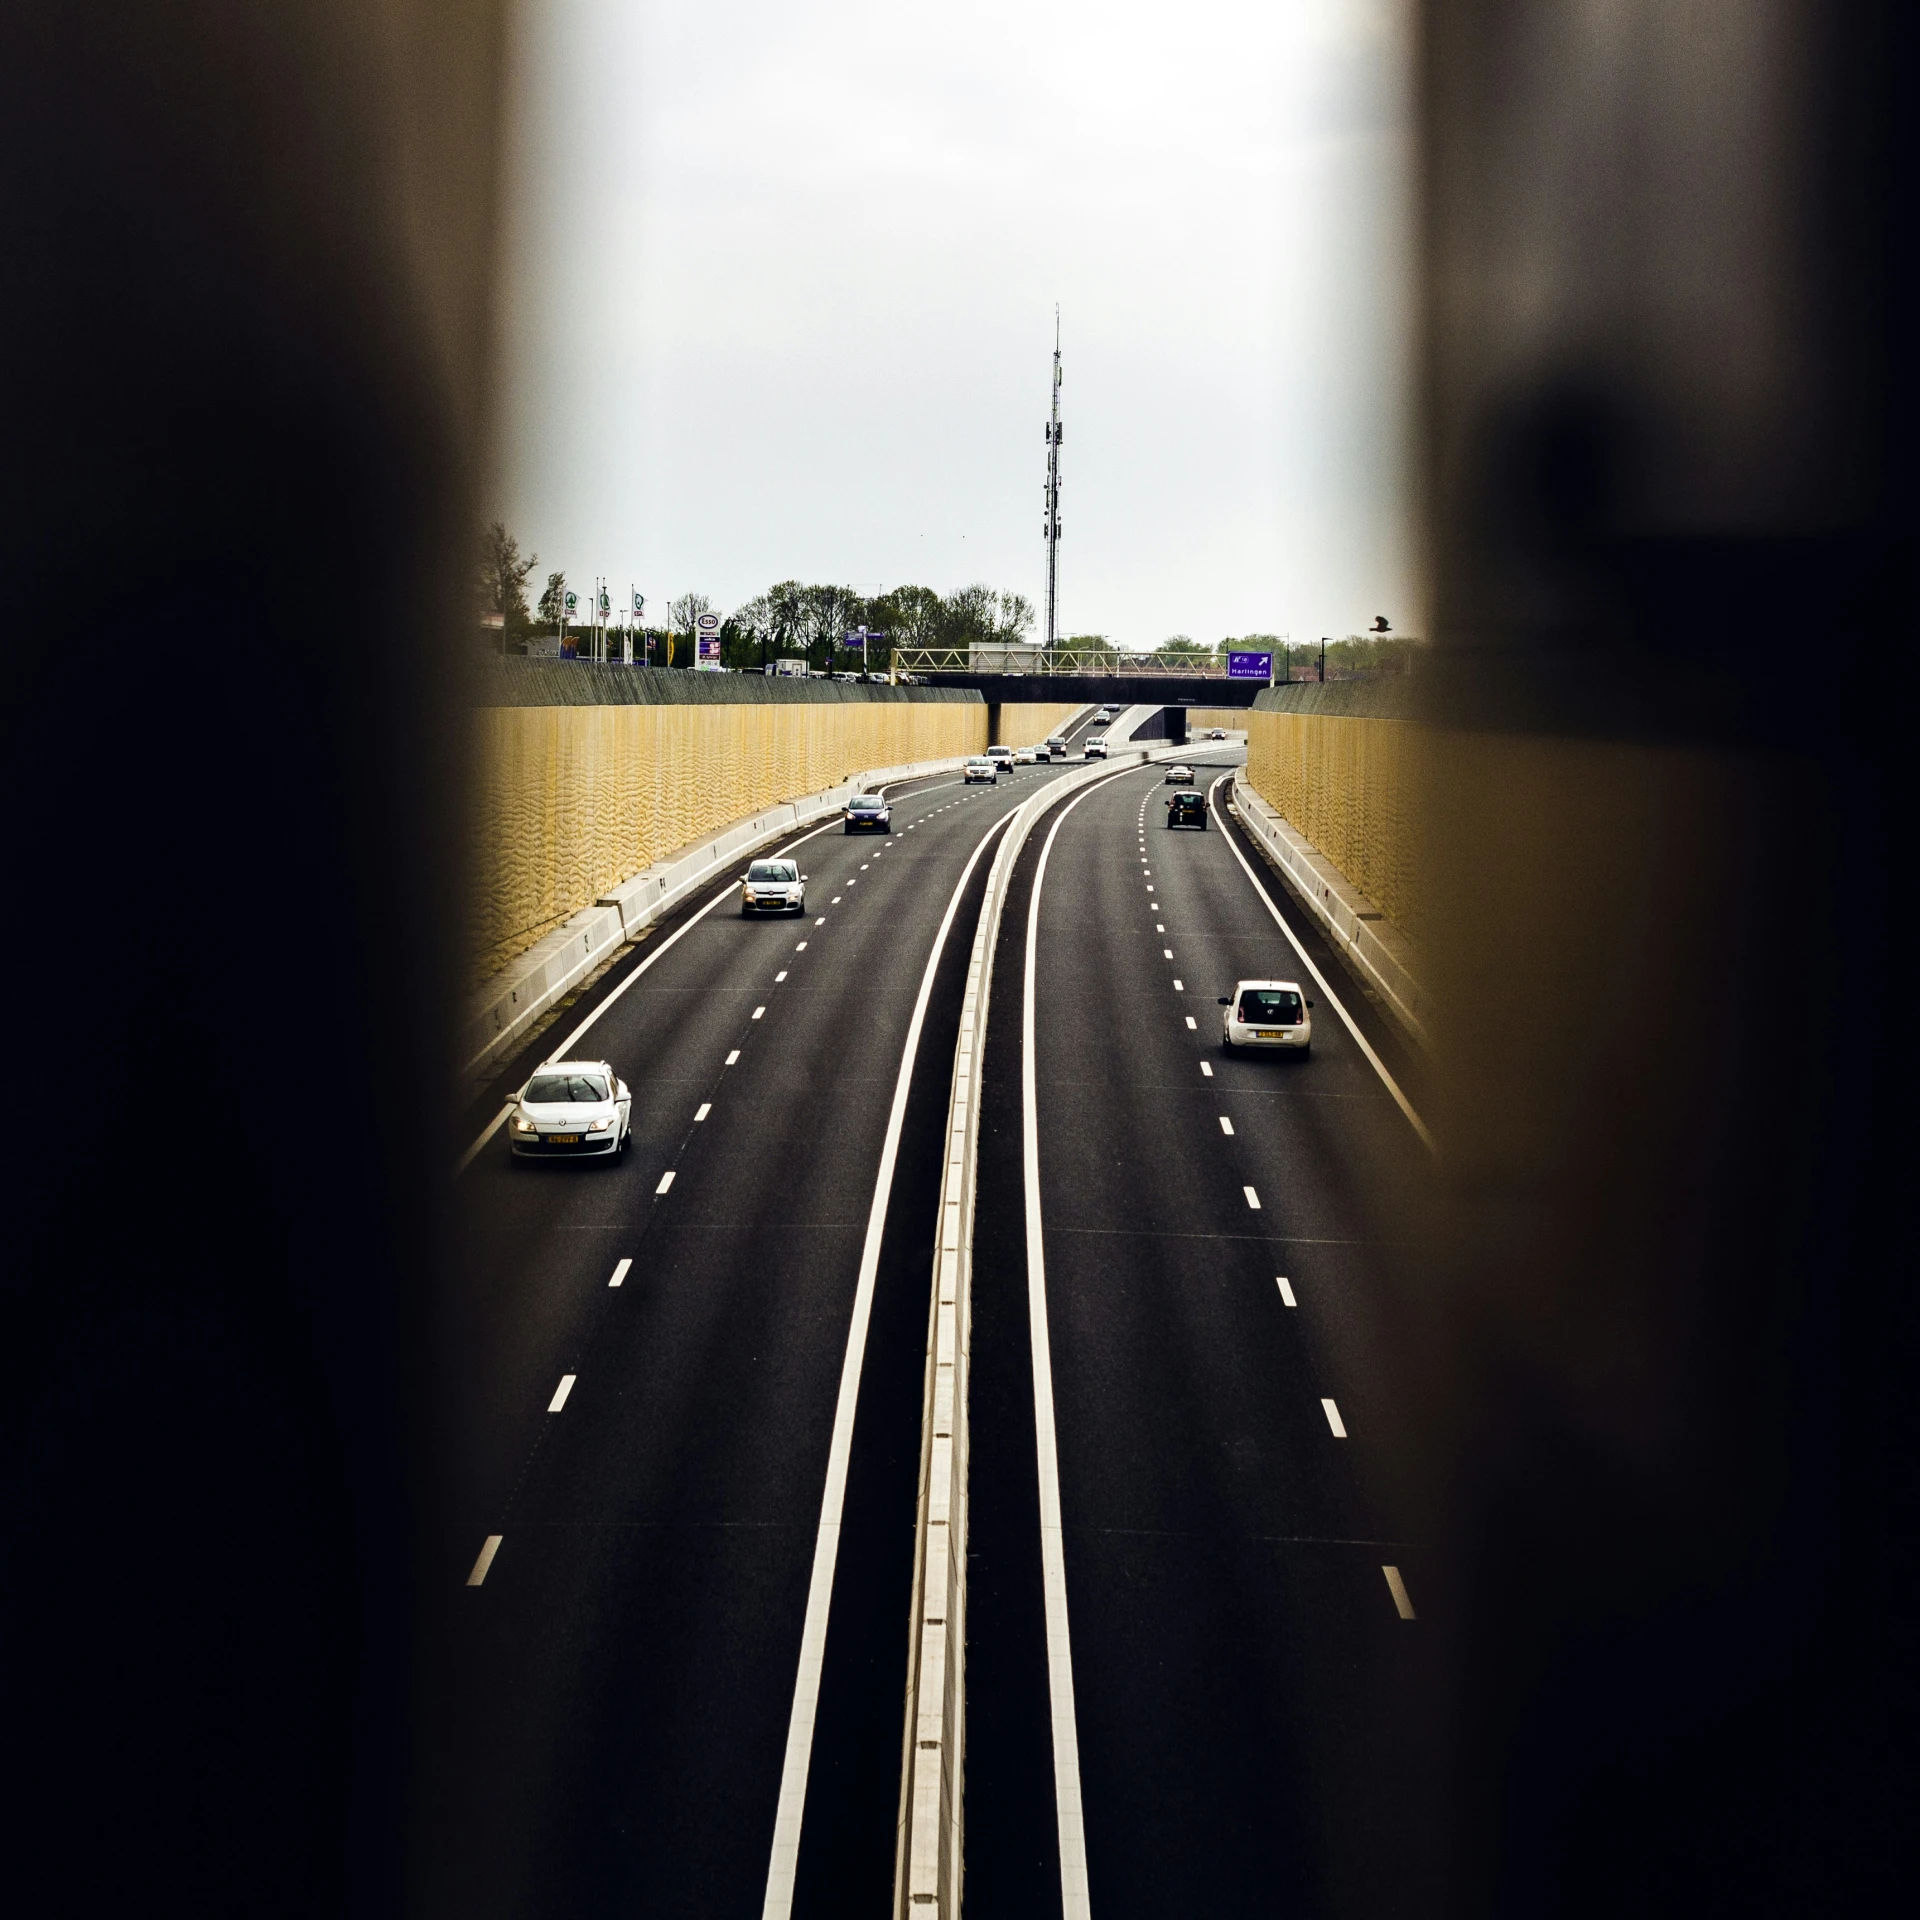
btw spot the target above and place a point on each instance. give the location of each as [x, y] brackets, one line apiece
[657, 1369]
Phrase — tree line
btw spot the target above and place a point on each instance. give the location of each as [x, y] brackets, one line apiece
[790, 620]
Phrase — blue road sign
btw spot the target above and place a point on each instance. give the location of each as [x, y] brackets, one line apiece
[1249, 666]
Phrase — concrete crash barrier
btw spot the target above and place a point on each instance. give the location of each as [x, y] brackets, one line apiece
[508, 1005]
[1372, 943]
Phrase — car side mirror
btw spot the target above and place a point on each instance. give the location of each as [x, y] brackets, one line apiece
[803, 879]
[1309, 1003]
[1226, 1000]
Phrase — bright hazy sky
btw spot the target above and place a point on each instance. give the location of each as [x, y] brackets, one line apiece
[780, 281]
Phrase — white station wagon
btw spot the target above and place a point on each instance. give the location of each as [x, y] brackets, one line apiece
[571, 1110]
[1266, 1013]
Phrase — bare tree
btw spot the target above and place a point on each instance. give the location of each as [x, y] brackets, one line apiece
[503, 581]
[683, 616]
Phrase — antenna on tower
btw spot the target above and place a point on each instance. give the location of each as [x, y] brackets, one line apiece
[1050, 529]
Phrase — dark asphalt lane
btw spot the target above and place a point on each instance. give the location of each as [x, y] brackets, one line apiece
[1253, 1714]
[613, 1703]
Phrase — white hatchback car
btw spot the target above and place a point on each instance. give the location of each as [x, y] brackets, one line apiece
[1266, 1013]
[983, 770]
[571, 1110]
[773, 886]
[1097, 747]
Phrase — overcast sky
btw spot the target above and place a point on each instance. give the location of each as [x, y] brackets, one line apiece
[781, 275]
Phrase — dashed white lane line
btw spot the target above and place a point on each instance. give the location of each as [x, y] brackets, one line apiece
[1149, 889]
[1398, 1588]
[758, 1011]
[481, 1565]
[705, 1108]
[801, 948]
[560, 1392]
[1158, 927]
[1226, 1126]
[1191, 1027]
[1253, 1199]
[822, 921]
[1206, 1068]
[1179, 986]
[620, 1272]
[666, 1180]
[778, 977]
[1286, 1291]
[733, 1056]
[1338, 1425]
[1166, 953]
[834, 902]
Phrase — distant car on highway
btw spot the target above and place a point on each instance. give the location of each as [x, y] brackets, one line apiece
[1216, 733]
[1106, 715]
[1097, 747]
[1187, 810]
[1179, 777]
[1266, 1013]
[867, 813]
[571, 1110]
[773, 886]
[983, 769]
[1000, 756]
[1026, 756]
[1056, 748]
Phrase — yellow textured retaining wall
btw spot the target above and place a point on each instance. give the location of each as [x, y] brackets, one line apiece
[1026, 723]
[1350, 787]
[573, 800]
[1234, 719]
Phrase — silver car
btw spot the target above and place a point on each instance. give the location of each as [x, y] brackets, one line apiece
[983, 770]
[773, 886]
[571, 1110]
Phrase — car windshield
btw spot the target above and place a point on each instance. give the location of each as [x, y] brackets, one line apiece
[1186, 803]
[1271, 1007]
[565, 1089]
[864, 803]
[770, 870]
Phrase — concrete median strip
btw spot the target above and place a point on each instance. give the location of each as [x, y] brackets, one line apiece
[929, 1857]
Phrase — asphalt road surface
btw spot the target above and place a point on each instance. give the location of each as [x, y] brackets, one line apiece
[648, 1361]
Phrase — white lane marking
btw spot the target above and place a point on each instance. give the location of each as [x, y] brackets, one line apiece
[822, 921]
[853, 879]
[1075, 1900]
[1179, 986]
[1320, 979]
[778, 977]
[784, 1859]
[1333, 1419]
[758, 1011]
[620, 1272]
[1398, 1588]
[1226, 1126]
[801, 948]
[1166, 953]
[1206, 1068]
[560, 1392]
[1253, 1199]
[1286, 1292]
[835, 901]
[666, 1180]
[481, 1565]
[1158, 928]
[705, 1108]
[733, 1056]
[1149, 889]
[1191, 1028]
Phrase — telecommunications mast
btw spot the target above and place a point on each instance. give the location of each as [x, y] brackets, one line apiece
[1051, 529]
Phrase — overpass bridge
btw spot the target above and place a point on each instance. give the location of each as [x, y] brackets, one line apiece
[1122, 690]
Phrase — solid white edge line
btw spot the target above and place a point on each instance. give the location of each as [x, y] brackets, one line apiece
[481, 1565]
[784, 1859]
[1402, 1602]
[1075, 1899]
[620, 1272]
[1320, 979]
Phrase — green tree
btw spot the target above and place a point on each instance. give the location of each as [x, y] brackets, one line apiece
[553, 602]
[503, 582]
[1182, 647]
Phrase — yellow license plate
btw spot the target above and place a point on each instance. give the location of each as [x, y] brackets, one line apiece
[1269, 1033]
[563, 1139]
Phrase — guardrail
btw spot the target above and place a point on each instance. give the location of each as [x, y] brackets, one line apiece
[928, 1849]
[1108, 663]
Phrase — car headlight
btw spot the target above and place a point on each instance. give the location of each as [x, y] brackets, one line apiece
[521, 1124]
[600, 1126]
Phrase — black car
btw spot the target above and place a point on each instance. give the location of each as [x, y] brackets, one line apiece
[1187, 810]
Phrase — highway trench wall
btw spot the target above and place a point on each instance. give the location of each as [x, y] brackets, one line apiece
[1025, 723]
[586, 775]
